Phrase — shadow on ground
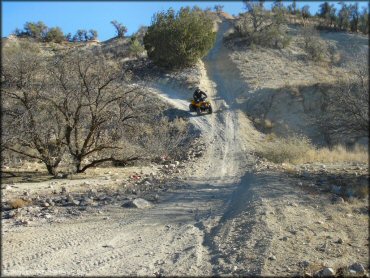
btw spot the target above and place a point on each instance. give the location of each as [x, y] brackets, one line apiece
[24, 176]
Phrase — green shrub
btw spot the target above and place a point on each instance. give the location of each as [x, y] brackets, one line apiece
[314, 46]
[177, 40]
[136, 48]
[317, 50]
[36, 30]
[55, 34]
[40, 32]
[262, 27]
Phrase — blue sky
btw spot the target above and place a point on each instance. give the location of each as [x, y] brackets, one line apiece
[71, 16]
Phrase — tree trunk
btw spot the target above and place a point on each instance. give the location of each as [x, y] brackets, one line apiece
[77, 160]
[51, 169]
[99, 161]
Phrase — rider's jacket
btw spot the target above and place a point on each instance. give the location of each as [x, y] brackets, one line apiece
[198, 95]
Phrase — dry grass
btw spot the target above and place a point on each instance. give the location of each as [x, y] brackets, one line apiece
[268, 124]
[299, 149]
[18, 203]
[279, 150]
[338, 153]
[166, 138]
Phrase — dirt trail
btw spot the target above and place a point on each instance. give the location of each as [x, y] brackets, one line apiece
[213, 223]
[176, 237]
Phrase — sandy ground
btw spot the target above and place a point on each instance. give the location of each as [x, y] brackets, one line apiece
[223, 217]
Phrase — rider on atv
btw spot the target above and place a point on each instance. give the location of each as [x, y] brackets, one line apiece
[199, 95]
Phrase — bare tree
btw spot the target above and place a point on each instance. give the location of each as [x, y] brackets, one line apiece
[30, 127]
[78, 103]
[120, 28]
[347, 110]
[96, 104]
[218, 8]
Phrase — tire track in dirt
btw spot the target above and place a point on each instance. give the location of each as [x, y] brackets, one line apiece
[226, 238]
[201, 218]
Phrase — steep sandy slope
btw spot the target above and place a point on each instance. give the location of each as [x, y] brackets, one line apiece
[289, 90]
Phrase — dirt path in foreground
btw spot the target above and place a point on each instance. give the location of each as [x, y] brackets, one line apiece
[175, 237]
[222, 219]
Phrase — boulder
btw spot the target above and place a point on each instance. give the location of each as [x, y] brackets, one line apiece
[69, 198]
[305, 264]
[138, 203]
[93, 191]
[359, 268]
[86, 201]
[326, 272]
[338, 200]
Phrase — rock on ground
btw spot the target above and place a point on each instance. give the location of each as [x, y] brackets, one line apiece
[359, 268]
[139, 203]
[326, 272]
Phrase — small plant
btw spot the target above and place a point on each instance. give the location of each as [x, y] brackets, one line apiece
[18, 203]
[268, 124]
[314, 46]
[136, 48]
[270, 137]
[316, 50]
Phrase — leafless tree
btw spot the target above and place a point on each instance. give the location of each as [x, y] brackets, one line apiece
[96, 105]
[347, 109]
[78, 103]
[29, 125]
[81, 105]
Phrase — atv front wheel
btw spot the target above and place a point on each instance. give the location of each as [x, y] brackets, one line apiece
[199, 112]
[210, 110]
[191, 108]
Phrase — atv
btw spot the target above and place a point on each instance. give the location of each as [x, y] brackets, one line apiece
[201, 106]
